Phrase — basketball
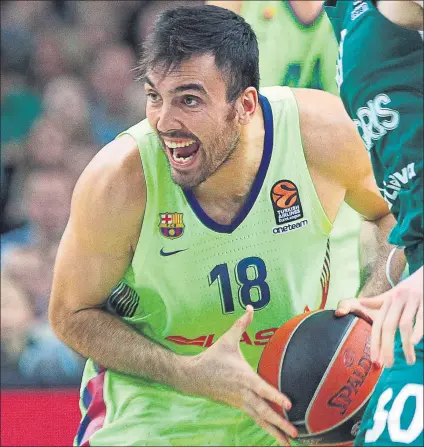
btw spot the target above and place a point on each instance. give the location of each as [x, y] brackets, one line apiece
[322, 363]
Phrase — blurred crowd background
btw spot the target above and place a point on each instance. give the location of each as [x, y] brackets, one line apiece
[67, 89]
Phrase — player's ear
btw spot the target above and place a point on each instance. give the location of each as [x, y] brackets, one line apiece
[247, 104]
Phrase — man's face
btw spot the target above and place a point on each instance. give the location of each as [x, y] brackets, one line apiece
[197, 127]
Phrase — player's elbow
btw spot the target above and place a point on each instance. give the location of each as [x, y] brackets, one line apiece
[59, 317]
[56, 322]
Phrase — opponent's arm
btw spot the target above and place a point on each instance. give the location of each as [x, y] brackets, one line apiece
[407, 13]
[96, 249]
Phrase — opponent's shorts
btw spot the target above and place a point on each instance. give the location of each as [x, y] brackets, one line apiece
[394, 416]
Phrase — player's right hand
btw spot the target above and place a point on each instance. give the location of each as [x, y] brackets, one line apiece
[221, 373]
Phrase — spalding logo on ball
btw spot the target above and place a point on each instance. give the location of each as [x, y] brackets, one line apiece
[322, 363]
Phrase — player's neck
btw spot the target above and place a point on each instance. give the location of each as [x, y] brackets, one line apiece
[226, 191]
[306, 11]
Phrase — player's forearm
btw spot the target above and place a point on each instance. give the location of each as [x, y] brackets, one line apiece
[374, 253]
[110, 342]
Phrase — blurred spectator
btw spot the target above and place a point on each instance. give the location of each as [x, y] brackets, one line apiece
[20, 107]
[151, 10]
[16, 320]
[66, 104]
[30, 353]
[47, 60]
[19, 22]
[46, 146]
[26, 15]
[78, 157]
[47, 199]
[111, 79]
[31, 268]
[102, 17]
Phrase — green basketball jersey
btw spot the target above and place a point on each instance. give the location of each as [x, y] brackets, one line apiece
[291, 52]
[380, 76]
[195, 276]
[191, 278]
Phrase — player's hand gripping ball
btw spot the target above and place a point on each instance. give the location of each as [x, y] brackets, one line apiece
[322, 363]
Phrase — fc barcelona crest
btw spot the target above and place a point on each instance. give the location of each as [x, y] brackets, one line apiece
[171, 225]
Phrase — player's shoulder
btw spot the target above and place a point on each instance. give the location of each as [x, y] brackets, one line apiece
[114, 178]
[329, 137]
[321, 109]
[275, 93]
[316, 108]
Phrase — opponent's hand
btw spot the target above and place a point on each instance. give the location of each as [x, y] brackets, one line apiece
[221, 373]
[366, 308]
[398, 307]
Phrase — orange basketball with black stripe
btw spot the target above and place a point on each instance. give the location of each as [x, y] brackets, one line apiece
[284, 194]
[322, 363]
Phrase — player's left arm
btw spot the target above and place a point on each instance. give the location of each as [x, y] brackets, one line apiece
[343, 164]
[341, 170]
[389, 309]
[348, 165]
[400, 307]
[363, 195]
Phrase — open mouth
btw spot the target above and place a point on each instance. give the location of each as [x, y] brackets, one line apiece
[182, 154]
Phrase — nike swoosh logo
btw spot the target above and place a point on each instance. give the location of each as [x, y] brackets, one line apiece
[170, 253]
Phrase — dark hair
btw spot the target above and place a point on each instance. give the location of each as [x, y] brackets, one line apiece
[184, 32]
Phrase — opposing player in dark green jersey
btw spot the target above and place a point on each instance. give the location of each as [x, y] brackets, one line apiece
[380, 77]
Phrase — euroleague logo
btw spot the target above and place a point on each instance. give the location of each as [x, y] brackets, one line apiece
[284, 194]
[286, 204]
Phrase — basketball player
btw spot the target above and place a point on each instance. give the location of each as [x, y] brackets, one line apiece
[297, 48]
[218, 205]
[380, 76]
[296, 42]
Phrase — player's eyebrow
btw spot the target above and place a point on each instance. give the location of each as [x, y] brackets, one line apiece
[181, 88]
[147, 80]
[192, 86]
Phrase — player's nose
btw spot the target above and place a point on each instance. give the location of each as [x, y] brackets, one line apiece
[167, 120]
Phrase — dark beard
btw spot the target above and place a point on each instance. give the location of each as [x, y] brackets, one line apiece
[209, 170]
[213, 166]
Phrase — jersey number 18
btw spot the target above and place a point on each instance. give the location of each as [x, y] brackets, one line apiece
[250, 275]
